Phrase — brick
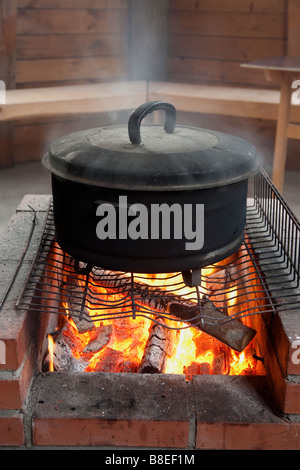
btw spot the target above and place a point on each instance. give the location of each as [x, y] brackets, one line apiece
[293, 436]
[10, 395]
[291, 398]
[17, 327]
[15, 335]
[103, 432]
[11, 429]
[249, 436]
[285, 331]
[243, 436]
[13, 390]
[100, 409]
[236, 412]
[111, 409]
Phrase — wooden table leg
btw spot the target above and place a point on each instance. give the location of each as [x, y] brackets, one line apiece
[281, 132]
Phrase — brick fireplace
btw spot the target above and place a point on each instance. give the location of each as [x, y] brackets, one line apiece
[126, 410]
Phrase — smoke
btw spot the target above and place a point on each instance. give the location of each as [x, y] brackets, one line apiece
[116, 46]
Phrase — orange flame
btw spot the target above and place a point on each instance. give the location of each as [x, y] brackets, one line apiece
[190, 351]
[50, 351]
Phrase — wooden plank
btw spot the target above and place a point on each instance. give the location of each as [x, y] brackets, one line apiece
[250, 6]
[67, 100]
[70, 100]
[224, 48]
[288, 64]
[213, 71]
[8, 16]
[74, 4]
[221, 100]
[185, 68]
[232, 24]
[84, 45]
[293, 41]
[43, 70]
[233, 73]
[65, 93]
[32, 21]
[60, 83]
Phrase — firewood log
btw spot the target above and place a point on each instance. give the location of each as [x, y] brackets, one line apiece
[63, 359]
[206, 317]
[204, 368]
[102, 339]
[156, 349]
[221, 279]
[220, 364]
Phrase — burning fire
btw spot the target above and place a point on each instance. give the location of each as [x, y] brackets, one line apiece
[120, 344]
[50, 350]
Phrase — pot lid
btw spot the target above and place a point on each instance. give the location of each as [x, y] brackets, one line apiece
[151, 157]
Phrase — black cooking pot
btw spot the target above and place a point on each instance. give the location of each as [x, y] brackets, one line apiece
[174, 200]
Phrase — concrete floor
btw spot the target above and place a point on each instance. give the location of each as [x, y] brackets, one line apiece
[32, 178]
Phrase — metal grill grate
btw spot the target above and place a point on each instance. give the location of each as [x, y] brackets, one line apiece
[262, 277]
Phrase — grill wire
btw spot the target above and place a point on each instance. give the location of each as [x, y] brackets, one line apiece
[270, 253]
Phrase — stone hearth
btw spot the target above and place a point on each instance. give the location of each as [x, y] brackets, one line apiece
[109, 410]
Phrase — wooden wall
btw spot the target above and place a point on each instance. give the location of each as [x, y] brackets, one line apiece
[67, 42]
[82, 41]
[71, 41]
[209, 39]
[75, 41]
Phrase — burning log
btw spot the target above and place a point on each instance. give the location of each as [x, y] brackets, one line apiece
[155, 351]
[67, 342]
[114, 361]
[213, 321]
[102, 339]
[204, 368]
[205, 317]
[221, 279]
[62, 357]
[219, 283]
[220, 365]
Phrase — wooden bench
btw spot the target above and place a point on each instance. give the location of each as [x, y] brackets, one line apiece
[72, 100]
[222, 100]
[102, 97]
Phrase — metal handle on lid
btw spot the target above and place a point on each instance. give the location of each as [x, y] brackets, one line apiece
[142, 111]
